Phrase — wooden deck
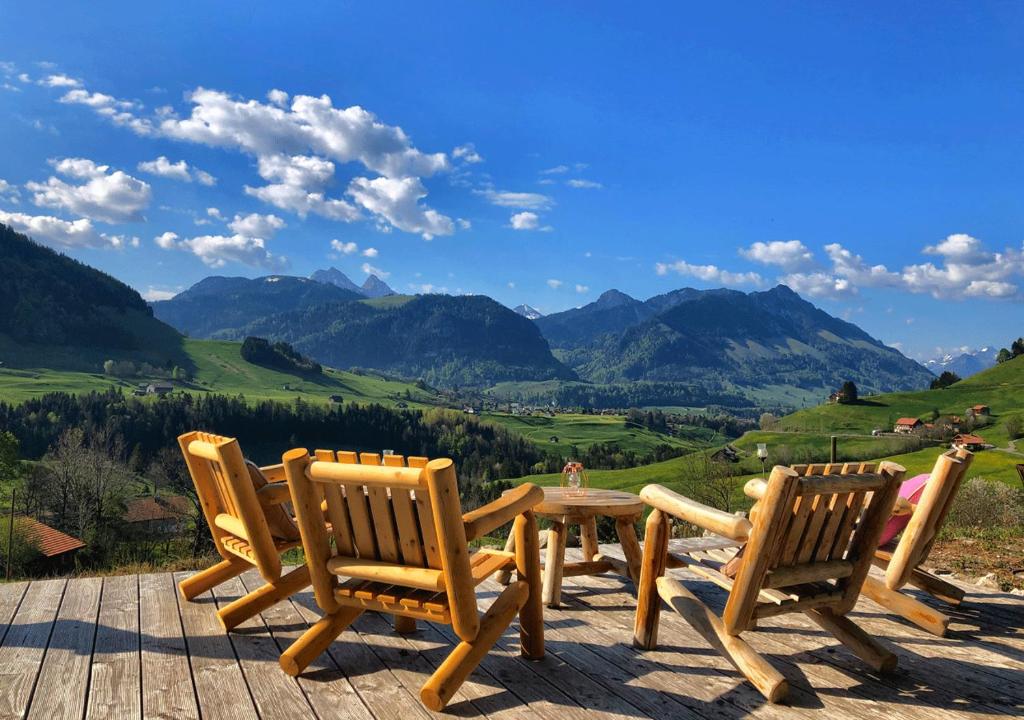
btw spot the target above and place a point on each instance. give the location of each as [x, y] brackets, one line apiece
[125, 647]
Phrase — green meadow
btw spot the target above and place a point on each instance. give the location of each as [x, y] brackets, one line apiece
[219, 368]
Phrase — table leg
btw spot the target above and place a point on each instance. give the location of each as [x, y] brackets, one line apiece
[552, 595]
[504, 576]
[588, 538]
[626, 530]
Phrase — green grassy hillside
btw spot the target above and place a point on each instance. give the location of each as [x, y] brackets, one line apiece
[1000, 387]
[218, 367]
[585, 430]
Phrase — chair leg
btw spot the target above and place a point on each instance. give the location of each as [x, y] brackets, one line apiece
[925, 617]
[553, 566]
[237, 612]
[316, 639]
[754, 667]
[405, 625]
[936, 587]
[652, 567]
[447, 679]
[211, 577]
[531, 615]
[852, 636]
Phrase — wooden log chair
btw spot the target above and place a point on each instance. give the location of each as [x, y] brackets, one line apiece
[808, 547]
[902, 559]
[243, 505]
[401, 546]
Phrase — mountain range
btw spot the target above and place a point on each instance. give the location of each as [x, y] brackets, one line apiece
[528, 312]
[724, 338]
[372, 287]
[689, 343]
[966, 363]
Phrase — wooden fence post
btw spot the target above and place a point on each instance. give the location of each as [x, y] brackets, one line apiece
[832, 450]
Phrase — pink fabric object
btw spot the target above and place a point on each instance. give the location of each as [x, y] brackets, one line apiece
[911, 491]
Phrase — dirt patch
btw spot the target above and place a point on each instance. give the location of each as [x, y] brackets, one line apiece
[973, 558]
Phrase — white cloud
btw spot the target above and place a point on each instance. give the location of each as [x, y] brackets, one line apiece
[709, 273]
[584, 184]
[217, 250]
[467, 153]
[518, 200]
[8, 192]
[153, 294]
[23, 77]
[60, 80]
[63, 233]
[397, 201]
[256, 225]
[582, 289]
[104, 195]
[215, 213]
[345, 248]
[167, 240]
[525, 221]
[463, 224]
[371, 270]
[818, 284]
[297, 184]
[278, 97]
[119, 112]
[556, 170]
[967, 269]
[370, 252]
[311, 123]
[297, 145]
[176, 171]
[787, 254]
[554, 284]
[511, 285]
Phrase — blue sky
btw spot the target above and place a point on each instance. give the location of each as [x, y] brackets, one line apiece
[867, 156]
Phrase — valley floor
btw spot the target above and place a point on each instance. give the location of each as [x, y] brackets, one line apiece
[127, 647]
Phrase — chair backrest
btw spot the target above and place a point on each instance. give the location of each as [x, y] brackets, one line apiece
[229, 502]
[929, 516]
[391, 522]
[812, 540]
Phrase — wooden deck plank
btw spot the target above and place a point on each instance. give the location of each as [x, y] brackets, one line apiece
[277, 696]
[10, 598]
[379, 689]
[552, 687]
[328, 691]
[168, 692]
[125, 647]
[407, 663]
[21, 655]
[220, 686]
[849, 681]
[64, 677]
[481, 688]
[683, 665]
[115, 688]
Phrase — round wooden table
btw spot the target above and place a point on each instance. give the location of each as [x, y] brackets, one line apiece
[564, 508]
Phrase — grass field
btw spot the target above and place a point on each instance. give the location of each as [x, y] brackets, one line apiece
[1001, 388]
[219, 368]
[585, 430]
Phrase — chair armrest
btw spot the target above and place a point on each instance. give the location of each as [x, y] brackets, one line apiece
[493, 515]
[273, 494]
[273, 473]
[755, 489]
[709, 518]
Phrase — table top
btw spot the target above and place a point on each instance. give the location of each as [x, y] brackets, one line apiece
[593, 501]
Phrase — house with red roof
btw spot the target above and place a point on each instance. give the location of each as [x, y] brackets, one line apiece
[973, 443]
[907, 425]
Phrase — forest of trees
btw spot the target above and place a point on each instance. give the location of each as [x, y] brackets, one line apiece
[279, 355]
[1016, 349]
